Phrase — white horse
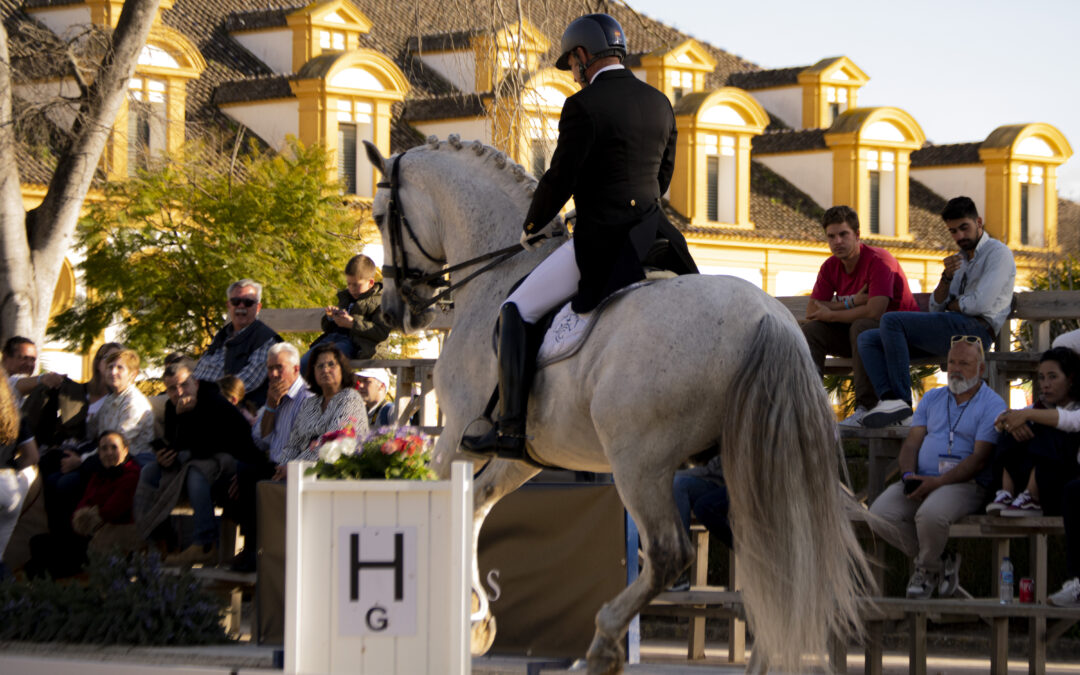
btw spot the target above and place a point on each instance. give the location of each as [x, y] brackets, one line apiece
[670, 370]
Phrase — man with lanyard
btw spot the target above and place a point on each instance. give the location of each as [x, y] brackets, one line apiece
[615, 156]
[944, 470]
[974, 297]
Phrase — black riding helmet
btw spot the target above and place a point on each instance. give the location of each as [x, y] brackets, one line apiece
[599, 34]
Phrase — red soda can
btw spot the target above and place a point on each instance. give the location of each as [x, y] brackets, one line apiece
[1027, 590]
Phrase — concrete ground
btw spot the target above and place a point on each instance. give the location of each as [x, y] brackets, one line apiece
[659, 657]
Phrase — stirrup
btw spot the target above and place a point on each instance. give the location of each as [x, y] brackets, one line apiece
[496, 444]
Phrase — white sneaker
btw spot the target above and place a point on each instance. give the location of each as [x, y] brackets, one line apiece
[950, 575]
[1068, 596]
[854, 420]
[887, 413]
[1024, 506]
[1001, 501]
[922, 584]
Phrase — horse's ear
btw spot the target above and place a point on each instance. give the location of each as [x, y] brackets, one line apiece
[375, 157]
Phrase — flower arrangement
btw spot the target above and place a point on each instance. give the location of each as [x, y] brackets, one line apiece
[389, 452]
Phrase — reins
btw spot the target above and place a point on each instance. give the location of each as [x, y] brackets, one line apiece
[406, 277]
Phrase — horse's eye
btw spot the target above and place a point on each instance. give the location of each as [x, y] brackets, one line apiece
[378, 219]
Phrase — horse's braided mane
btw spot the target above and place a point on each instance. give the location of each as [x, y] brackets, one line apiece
[510, 176]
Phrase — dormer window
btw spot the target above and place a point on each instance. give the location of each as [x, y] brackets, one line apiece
[355, 125]
[881, 181]
[837, 99]
[681, 83]
[720, 180]
[1032, 204]
[332, 39]
[147, 122]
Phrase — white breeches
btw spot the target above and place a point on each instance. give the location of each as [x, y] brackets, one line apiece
[553, 282]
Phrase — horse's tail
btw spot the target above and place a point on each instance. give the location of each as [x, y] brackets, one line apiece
[800, 565]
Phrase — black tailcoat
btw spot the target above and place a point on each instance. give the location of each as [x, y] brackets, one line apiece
[615, 155]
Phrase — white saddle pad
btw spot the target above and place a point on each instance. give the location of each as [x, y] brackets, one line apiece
[569, 329]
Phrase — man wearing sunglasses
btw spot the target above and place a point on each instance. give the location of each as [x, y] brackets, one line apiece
[240, 348]
[973, 297]
[944, 467]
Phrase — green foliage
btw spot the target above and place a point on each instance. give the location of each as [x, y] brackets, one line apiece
[843, 386]
[123, 601]
[1061, 275]
[162, 247]
[402, 453]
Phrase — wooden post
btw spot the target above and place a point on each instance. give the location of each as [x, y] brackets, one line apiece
[917, 648]
[736, 626]
[699, 576]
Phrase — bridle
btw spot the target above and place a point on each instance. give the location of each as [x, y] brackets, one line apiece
[406, 278]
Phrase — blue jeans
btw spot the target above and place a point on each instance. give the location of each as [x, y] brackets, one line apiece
[342, 342]
[712, 510]
[688, 489]
[198, 492]
[886, 351]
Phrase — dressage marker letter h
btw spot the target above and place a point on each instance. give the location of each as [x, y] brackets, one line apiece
[377, 575]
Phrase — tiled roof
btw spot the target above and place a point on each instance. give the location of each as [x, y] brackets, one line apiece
[453, 106]
[265, 18]
[1069, 227]
[763, 79]
[788, 141]
[441, 42]
[945, 155]
[254, 89]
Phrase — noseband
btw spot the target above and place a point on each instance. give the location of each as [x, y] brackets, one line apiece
[407, 278]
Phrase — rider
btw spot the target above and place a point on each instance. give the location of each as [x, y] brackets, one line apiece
[615, 155]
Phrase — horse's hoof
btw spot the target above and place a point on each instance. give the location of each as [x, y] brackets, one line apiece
[482, 635]
[604, 657]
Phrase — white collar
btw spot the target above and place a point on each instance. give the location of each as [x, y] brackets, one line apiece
[615, 66]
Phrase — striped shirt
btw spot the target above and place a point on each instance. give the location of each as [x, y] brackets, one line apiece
[346, 408]
[274, 443]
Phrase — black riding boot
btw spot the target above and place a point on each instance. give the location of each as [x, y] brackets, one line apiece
[506, 438]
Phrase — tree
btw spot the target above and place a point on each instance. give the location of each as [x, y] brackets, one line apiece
[1062, 274]
[161, 248]
[33, 243]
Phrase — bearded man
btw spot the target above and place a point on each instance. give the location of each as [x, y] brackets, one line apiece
[945, 470]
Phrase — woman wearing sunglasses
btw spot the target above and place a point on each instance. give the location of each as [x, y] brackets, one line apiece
[1038, 451]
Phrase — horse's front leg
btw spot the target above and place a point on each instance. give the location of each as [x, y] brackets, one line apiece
[494, 481]
[647, 495]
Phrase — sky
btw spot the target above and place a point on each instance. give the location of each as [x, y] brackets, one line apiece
[961, 68]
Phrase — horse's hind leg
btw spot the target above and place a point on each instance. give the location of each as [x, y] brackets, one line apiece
[646, 493]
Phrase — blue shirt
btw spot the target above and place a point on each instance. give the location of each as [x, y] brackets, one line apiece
[274, 444]
[971, 421]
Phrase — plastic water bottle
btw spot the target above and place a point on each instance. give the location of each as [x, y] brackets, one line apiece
[1006, 582]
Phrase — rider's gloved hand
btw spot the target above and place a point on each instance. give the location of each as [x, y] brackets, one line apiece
[531, 242]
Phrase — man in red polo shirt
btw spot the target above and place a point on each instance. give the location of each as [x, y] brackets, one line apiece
[854, 287]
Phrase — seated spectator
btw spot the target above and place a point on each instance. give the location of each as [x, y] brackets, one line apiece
[336, 405]
[944, 465]
[373, 383]
[701, 490]
[18, 459]
[355, 324]
[62, 467]
[204, 438]
[974, 297]
[240, 347]
[1038, 447]
[287, 390]
[232, 388]
[59, 415]
[125, 409]
[854, 288]
[19, 359]
[105, 513]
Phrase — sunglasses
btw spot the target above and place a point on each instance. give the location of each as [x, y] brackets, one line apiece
[970, 339]
[246, 302]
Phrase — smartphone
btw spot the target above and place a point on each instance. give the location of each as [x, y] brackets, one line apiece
[911, 485]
